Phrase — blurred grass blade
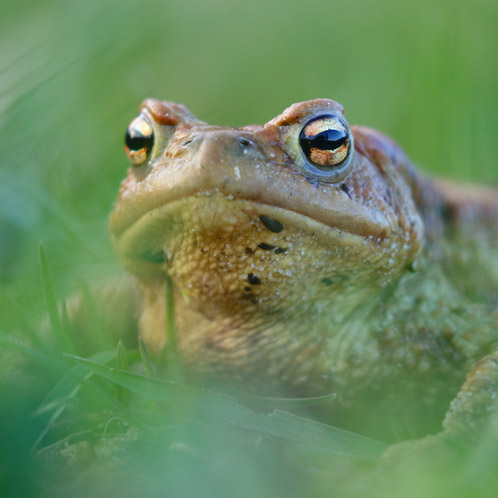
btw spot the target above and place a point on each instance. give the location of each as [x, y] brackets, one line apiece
[66, 384]
[144, 353]
[49, 362]
[121, 357]
[317, 433]
[65, 323]
[52, 363]
[61, 333]
[223, 409]
[54, 416]
[170, 352]
[64, 392]
[274, 403]
[122, 394]
[150, 387]
[55, 404]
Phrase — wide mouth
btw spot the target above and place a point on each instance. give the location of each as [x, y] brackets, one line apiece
[151, 214]
[161, 232]
[328, 210]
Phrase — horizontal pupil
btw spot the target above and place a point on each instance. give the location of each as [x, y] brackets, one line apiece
[327, 140]
[137, 142]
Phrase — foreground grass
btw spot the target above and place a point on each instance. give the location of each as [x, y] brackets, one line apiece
[118, 423]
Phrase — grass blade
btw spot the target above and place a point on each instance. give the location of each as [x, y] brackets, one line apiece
[275, 403]
[63, 393]
[122, 395]
[122, 357]
[49, 362]
[144, 353]
[54, 364]
[223, 409]
[317, 433]
[61, 333]
[170, 352]
[150, 387]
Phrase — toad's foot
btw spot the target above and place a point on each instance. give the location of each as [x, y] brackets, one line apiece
[467, 420]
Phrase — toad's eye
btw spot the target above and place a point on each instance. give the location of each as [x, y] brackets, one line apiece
[139, 140]
[327, 144]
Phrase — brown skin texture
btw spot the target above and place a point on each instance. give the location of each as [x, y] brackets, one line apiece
[381, 287]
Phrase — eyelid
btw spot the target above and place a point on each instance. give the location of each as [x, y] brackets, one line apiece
[322, 123]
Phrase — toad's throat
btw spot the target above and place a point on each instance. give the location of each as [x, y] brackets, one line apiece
[231, 255]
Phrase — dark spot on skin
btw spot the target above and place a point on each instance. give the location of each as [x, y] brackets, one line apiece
[280, 250]
[249, 251]
[273, 225]
[247, 289]
[266, 247]
[327, 281]
[253, 279]
[345, 189]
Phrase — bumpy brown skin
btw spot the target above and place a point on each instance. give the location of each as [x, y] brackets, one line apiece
[382, 287]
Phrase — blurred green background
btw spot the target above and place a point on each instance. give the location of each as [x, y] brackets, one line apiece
[73, 73]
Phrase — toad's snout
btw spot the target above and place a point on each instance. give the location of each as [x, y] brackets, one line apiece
[217, 149]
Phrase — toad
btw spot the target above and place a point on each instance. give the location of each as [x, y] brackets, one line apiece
[310, 257]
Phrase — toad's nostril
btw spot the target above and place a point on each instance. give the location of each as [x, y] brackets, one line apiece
[244, 142]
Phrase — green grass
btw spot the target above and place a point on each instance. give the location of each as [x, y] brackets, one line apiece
[72, 77]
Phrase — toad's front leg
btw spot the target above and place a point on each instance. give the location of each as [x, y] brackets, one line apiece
[467, 419]
[475, 404]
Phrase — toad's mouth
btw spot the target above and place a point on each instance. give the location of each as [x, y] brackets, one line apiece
[234, 228]
[270, 189]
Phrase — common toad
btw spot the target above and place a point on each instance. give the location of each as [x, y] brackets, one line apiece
[309, 257]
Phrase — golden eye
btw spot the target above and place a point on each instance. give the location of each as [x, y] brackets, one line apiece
[139, 140]
[327, 144]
